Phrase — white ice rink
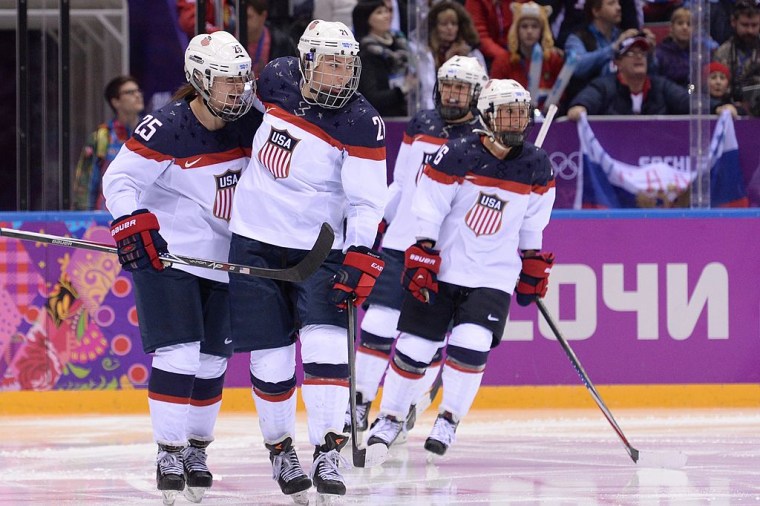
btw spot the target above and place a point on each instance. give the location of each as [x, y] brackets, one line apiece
[501, 457]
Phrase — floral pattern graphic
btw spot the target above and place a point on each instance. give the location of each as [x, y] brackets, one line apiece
[68, 314]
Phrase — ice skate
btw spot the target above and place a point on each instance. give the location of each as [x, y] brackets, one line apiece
[324, 470]
[385, 430]
[198, 478]
[286, 469]
[408, 425]
[362, 415]
[170, 477]
[442, 435]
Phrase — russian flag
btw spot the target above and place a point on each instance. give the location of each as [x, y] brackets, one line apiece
[609, 183]
[726, 183]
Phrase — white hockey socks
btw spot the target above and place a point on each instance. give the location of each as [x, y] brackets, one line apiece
[326, 409]
[277, 414]
[459, 390]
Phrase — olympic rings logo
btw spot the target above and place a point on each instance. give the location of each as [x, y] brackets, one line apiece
[566, 165]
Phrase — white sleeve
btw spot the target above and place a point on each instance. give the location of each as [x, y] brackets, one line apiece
[537, 217]
[126, 178]
[400, 171]
[432, 203]
[364, 184]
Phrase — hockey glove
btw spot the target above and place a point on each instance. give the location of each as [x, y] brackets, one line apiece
[421, 266]
[138, 241]
[356, 277]
[534, 278]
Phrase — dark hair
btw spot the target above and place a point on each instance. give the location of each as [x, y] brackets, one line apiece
[466, 31]
[114, 85]
[745, 7]
[184, 92]
[361, 14]
[589, 7]
[260, 6]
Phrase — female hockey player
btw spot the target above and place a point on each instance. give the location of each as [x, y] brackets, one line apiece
[318, 157]
[479, 228]
[177, 174]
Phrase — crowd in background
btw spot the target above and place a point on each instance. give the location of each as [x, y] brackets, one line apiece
[600, 57]
[400, 59]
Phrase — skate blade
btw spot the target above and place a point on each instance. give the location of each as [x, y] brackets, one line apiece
[328, 499]
[169, 496]
[376, 455]
[301, 498]
[194, 494]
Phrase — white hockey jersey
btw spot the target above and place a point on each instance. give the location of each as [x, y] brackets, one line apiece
[481, 210]
[424, 135]
[186, 175]
[311, 165]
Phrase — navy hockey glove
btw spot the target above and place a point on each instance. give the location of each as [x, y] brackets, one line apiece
[421, 266]
[356, 277]
[138, 241]
[534, 278]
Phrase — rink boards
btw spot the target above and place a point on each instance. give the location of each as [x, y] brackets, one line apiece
[660, 307]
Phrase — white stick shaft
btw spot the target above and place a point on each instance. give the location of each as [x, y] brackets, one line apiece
[545, 125]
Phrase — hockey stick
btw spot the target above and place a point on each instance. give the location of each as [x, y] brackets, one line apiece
[661, 459]
[298, 272]
[545, 126]
[376, 454]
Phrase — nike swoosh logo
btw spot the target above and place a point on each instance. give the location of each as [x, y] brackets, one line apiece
[228, 341]
[492, 318]
[190, 164]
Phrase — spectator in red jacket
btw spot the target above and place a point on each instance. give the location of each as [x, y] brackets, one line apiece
[492, 20]
[530, 26]
[186, 14]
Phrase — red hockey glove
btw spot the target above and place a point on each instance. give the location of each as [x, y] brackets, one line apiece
[138, 241]
[421, 266]
[534, 278]
[356, 277]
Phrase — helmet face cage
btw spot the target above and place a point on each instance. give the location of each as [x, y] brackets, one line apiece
[332, 80]
[506, 111]
[330, 64]
[457, 99]
[455, 72]
[510, 122]
[219, 69]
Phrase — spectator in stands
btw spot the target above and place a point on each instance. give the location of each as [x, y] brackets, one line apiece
[568, 17]
[492, 19]
[186, 14]
[385, 81]
[125, 99]
[530, 26]
[631, 91]
[450, 33]
[595, 45]
[719, 83]
[741, 53]
[672, 54]
[720, 18]
[335, 10]
[659, 11]
[265, 42]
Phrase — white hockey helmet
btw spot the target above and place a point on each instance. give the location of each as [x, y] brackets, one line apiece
[463, 69]
[505, 111]
[219, 69]
[329, 42]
